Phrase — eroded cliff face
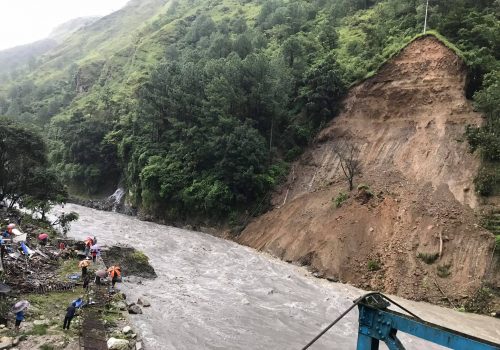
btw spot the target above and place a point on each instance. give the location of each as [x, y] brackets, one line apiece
[408, 122]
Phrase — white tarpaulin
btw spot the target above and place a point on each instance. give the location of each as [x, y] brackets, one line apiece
[18, 236]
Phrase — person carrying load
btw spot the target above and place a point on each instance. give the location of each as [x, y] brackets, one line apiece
[84, 264]
[115, 273]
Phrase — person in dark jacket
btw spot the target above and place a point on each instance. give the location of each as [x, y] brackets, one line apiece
[70, 313]
[86, 281]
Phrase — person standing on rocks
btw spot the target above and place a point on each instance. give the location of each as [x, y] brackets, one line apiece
[19, 319]
[70, 313]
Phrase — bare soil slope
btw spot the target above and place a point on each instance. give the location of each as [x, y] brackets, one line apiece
[409, 122]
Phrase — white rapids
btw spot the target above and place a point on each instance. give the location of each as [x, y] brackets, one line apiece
[215, 294]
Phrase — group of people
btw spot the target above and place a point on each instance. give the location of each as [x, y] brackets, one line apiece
[92, 251]
[20, 307]
[91, 248]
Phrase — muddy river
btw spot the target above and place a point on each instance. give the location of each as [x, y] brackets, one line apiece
[215, 294]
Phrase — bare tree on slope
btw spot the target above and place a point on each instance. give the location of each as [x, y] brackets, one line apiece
[348, 154]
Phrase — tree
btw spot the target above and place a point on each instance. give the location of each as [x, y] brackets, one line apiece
[486, 138]
[348, 154]
[323, 88]
[292, 50]
[64, 220]
[46, 190]
[242, 45]
[84, 155]
[22, 153]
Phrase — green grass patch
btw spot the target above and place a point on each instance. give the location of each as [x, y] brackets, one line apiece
[50, 305]
[39, 329]
[140, 257]
[374, 265]
[68, 267]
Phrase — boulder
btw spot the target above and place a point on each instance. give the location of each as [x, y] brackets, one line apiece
[41, 322]
[117, 344]
[143, 302]
[5, 343]
[126, 330]
[120, 305]
[138, 346]
[134, 309]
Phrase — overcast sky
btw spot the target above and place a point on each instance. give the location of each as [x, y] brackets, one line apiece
[25, 21]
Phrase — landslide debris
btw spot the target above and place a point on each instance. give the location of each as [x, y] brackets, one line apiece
[408, 122]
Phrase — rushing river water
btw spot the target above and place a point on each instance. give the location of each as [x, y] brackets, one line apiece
[215, 294]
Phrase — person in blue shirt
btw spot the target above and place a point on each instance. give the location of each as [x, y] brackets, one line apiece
[19, 319]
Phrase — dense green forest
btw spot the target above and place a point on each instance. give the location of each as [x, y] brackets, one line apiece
[198, 106]
[25, 177]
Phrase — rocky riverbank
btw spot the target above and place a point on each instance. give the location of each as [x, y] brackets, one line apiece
[115, 202]
[49, 279]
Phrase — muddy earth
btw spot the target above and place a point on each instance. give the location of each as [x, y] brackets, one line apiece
[408, 122]
[212, 293]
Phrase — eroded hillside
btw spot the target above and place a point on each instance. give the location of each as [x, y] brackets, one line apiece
[408, 122]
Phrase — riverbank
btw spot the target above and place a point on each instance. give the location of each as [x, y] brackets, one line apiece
[50, 280]
[117, 203]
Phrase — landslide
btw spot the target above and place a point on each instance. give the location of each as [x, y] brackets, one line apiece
[408, 122]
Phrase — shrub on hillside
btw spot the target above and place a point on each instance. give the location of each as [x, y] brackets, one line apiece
[373, 265]
[428, 258]
[443, 271]
[340, 199]
[486, 181]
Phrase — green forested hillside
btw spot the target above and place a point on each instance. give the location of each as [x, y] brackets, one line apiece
[197, 106]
